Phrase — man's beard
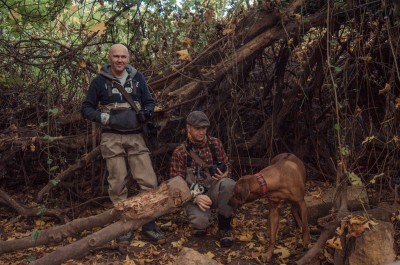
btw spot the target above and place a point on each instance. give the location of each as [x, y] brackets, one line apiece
[196, 141]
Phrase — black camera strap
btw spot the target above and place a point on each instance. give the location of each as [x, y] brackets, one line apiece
[145, 128]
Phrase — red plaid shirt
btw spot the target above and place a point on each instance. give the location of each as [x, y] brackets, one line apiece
[179, 157]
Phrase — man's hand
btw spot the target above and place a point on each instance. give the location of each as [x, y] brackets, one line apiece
[219, 175]
[105, 118]
[203, 201]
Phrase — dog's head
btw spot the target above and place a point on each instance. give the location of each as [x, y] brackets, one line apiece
[245, 190]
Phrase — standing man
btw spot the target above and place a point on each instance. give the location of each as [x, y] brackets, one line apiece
[122, 140]
[201, 160]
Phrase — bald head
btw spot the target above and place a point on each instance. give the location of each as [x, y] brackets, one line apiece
[118, 47]
[118, 56]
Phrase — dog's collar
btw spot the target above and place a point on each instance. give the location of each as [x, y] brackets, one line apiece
[263, 184]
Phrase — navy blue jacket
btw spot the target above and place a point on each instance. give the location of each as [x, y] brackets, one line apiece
[100, 93]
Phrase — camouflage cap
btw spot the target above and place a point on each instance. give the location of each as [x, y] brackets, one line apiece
[197, 119]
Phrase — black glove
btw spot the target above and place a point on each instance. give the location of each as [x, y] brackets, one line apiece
[145, 115]
[151, 129]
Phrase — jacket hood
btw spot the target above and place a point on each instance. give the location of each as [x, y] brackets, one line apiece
[106, 71]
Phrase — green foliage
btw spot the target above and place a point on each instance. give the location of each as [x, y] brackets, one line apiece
[35, 235]
[41, 209]
[55, 182]
[30, 258]
[354, 179]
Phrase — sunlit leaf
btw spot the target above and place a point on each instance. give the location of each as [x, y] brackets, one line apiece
[210, 254]
[73, 8]
[100, 28]
[14, 14]
[143, 48]
[184, 55]
[82, 64]
[39, 223]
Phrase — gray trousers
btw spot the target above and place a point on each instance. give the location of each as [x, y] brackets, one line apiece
[220, 193]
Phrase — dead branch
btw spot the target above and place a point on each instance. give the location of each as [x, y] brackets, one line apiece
[86, 160]
[29, 212]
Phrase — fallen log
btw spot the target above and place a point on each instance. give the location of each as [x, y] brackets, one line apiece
[132, 214]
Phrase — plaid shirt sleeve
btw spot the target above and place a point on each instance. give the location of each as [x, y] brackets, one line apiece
[178, 163]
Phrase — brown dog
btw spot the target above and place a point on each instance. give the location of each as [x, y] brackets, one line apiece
[282, 180]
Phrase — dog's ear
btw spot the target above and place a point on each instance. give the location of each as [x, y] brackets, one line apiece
[244, 191]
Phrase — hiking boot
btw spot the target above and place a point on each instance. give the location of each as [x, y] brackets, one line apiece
[125, 239]
[155, 235]
[226, 238]
[199, 232]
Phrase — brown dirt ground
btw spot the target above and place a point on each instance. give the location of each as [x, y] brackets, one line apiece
[249, 230]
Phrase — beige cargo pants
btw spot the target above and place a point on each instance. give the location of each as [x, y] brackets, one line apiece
[116, 149]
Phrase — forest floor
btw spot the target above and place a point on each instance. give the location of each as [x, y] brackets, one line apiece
[249, 230]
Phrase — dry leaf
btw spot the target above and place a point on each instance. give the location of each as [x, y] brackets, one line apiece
[144, 45]
[334, 243]
[209, 15]
[188, 42]
[283, 252]
[14, 14]
[100, 28]
[210, 254]
[128, 261]
[184, 55]
[82, 64]
[385, 90]
[368, 139]
[397, 102]
[245, 237]
[73, 8]
[138, 244]
[39, 224]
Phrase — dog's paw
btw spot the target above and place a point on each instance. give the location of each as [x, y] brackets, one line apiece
[267, 257]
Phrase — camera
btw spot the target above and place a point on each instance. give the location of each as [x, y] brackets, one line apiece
[213, 169]
[145, 115]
